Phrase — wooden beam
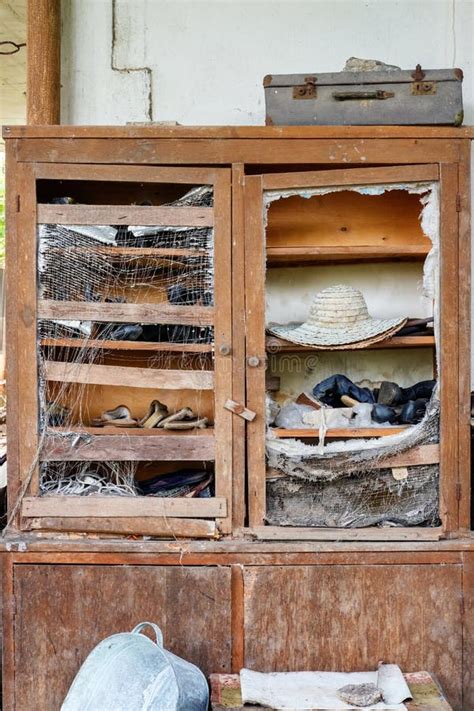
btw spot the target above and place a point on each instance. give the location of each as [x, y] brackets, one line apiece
[159, 527]
[281, 533]
[346, 432]
[422, 455]
[352, 176]
[130, 447]
[126, 215]
[44, 62]
[105, 344]
[125, 313]
[121, 507]
[122, 376]
[278, 345]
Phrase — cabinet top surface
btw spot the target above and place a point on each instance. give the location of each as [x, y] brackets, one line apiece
[241, 132]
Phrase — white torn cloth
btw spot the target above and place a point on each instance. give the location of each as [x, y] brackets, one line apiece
[293, 691]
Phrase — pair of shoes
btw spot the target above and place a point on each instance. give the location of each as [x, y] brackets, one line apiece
[392, 394]
[184, 419]
[189, 295]
[118, 417]
[184, 482]
[409, 413]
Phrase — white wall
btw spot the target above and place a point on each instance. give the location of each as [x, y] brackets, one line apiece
[203, 61]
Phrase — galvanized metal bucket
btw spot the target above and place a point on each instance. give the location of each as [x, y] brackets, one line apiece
[130, 672]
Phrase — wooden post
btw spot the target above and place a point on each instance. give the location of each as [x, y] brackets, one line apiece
[44, 62]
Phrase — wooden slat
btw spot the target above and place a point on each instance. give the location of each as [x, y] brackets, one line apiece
[127, 345]
[126, 313]
[138, 252]
[125, 215]
[255, 346]
[449, 347]
[121, 507]
[283, 533]
[273, 151]
[261, 132]
[277, 345]
[62, 372]
[126, 174]
[351, 176]
[160, 527]
[425, 454]
[294, 255]
[223, 339]
[107, 444]
[346, 432]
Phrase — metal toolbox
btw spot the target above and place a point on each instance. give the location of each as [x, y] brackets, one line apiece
[426, 97]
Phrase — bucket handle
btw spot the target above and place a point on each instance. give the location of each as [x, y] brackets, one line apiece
[158, 632]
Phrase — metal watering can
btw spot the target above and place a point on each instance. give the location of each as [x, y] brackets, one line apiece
[129, 672]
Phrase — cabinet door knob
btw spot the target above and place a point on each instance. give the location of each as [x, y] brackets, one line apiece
[253, 361]
[224, 349]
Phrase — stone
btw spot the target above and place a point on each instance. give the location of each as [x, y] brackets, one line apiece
[360, 694]
[355, 64]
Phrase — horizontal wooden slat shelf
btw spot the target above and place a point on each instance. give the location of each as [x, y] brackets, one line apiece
[120, 506]
[127, 345]
[127, 445]
[294, 255]
[90, 374]
[395, 533]
[162, 313]
[276, 345]
[119, 252]
[125, 215]
[349, 432]
[163, 527]
[422, 455]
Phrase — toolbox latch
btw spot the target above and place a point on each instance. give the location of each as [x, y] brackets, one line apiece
[307, 90]
[423, 88]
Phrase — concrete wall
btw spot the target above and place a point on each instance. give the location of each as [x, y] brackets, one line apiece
[203, 61]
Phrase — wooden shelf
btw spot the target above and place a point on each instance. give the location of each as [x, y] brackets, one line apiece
[336, 433]
[128, 345]
[121, 444]
[276, 345]
[334, 253]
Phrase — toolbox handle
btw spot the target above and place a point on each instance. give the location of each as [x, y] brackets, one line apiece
[361, 95]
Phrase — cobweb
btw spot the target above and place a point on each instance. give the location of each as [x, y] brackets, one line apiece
[107, 264]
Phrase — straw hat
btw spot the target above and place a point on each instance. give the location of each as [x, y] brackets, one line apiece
[339, 317]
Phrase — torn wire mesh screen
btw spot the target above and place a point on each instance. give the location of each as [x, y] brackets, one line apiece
[340, 483]
[123, 376]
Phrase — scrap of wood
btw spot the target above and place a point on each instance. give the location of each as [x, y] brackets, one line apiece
[240, 410]
[122, 376]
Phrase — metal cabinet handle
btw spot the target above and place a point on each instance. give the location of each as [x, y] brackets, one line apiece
[361, 95]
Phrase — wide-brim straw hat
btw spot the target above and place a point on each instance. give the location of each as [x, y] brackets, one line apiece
[338, 318]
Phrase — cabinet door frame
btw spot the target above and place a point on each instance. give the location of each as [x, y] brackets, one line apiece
[449, 349]
[25, 505]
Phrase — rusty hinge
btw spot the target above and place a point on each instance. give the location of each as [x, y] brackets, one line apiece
[458, 202]
[458, 490]
[240, 410]
[18, 203]
[307, 90]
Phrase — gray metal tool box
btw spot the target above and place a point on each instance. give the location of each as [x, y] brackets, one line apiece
[426, 97]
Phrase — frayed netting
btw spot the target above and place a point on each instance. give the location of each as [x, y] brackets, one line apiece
[121, 265]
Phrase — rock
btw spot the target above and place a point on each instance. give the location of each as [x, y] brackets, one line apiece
[360, 694]
[354, 64]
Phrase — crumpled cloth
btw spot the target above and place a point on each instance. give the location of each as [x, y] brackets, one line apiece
[291, 691]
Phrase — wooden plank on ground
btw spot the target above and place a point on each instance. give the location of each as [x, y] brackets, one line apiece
[160, 527]
[125, 215]
[125, 313]
[122, 376]
[128, 447]
[121, 507]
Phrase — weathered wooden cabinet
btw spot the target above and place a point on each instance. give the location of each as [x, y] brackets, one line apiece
[340, 597]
